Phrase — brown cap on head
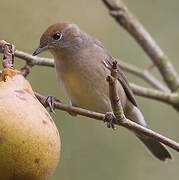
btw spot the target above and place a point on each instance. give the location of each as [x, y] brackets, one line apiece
[50, 31]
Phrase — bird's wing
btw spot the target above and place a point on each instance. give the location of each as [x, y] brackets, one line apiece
[121, 77]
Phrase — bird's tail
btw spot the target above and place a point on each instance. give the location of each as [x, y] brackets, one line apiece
[156, 148]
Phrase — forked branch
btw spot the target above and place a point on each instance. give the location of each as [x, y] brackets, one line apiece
[126, 19]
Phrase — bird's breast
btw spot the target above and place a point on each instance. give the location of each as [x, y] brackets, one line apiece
[83, 77]
[85, 84]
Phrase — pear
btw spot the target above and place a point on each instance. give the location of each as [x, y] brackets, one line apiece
[29, 140]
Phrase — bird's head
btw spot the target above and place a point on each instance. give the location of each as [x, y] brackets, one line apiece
[62, 36]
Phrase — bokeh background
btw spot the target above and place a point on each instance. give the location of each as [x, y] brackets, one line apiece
[89, 149]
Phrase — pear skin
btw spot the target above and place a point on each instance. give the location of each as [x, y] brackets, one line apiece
[29, 140]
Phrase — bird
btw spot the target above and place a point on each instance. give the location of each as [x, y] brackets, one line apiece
[82, 65]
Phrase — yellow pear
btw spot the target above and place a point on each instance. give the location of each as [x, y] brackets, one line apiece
[29, 140]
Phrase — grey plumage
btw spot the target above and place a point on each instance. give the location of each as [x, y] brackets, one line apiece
[82, 65]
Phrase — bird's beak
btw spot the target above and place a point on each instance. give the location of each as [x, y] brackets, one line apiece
[40, 49]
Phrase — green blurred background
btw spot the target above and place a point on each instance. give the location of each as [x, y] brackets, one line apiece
[89, 149]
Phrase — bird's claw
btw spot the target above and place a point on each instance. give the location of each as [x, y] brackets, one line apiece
[110, 119]
[50, 102]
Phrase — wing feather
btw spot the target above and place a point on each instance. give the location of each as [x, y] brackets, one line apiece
[121, 77]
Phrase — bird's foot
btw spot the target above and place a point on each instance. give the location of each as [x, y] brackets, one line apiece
[50, 101]
[110, 119]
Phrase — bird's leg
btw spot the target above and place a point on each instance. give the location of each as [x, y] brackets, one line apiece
[49, 101]
[110, 119]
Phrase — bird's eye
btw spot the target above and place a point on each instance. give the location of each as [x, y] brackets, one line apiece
[57, 36]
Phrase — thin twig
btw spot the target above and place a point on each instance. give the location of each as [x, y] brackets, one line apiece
[127, 123]
[122, 120]
[169, 98]
[26, 69]
[113, 92]
[150, 67]
[143, 74]
[126, 19]
[72, 109]
[35, 60]
[8, 52]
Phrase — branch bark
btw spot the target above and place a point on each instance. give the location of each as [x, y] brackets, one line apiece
[120, 117]
[122, 122]
[169, 98]
[35, 60]
[126, 19]
[143, 74]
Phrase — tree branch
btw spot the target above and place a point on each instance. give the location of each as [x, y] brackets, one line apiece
[26, 69]
[126, 19]
[125, 122]
[169, 98]
[143, 74]
[35, 60]
[122, 120]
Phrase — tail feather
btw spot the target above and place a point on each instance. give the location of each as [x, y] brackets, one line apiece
[156, 148]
